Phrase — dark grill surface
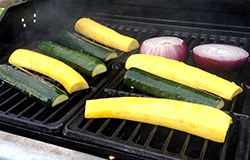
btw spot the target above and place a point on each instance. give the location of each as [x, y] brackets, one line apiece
[161, 142]
[156, 142]
[17, 108]
[65, 124]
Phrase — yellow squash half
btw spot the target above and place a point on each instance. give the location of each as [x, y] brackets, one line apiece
[200, 120]
[184, 74]
[53, 68]
[105, 35]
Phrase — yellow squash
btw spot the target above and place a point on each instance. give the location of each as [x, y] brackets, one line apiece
[200, 120]
[105, 35]
[53, 68]
[184, 74]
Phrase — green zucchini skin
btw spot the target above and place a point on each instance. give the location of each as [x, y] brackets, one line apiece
[81, 62]
[164, 88]
[85, 46]
[31, 85]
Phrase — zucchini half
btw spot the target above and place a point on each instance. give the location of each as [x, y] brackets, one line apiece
[31, 85]
[165, 88]
[83, 63]
[85, 46]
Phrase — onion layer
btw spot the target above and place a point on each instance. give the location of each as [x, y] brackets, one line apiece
[167, 47]
[220, 57]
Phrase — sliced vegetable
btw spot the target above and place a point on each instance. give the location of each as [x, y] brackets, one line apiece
[184, 74]
[31, 85]
[165, 88]
[105, 35]
[85, 46]
[53, 68]
[200, 120]
[83, 63]
[220, 57]
[167, 47]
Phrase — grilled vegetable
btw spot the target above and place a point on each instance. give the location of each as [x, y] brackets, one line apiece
[85, 46]
[165, 88]
[184, 74]
[31, 85]
[200, 120]
[220, 57]
[53, 68]
[105, 35]
[167, 47]
[83, 63]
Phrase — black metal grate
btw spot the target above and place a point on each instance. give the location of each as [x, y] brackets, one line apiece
[155, 142]
[123, 137]
[141, 139]
[18, 109]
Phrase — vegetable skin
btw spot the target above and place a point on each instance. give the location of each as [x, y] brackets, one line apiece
[184, 74]
[105, 35]
[200, 120]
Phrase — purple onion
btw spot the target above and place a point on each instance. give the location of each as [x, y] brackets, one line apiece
[167, 47]
[220, 57]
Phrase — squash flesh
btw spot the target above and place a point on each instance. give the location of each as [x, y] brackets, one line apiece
[200, 120]
[53, 68]
[184, 74]
[100, 68]
[59, 100]
[105, 35]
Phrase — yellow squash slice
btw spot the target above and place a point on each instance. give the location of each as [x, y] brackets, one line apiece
[184, 74]
[53, 68]
[105, 35]
[200, 120]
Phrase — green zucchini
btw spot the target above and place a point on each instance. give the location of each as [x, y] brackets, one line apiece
[31, 85]
[164, 88]
[85, 46]
[83, 63]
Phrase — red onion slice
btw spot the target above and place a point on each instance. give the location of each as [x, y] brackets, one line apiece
[220, 57]
[167, 47]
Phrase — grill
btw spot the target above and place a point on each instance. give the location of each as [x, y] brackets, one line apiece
[27, 24]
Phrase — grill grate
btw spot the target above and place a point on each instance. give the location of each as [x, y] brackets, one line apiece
[158, 142]
[26, 26]
[155, 142]
[18, 109]
[140, 139]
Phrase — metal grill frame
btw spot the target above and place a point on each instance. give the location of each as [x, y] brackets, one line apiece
[186, 24]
